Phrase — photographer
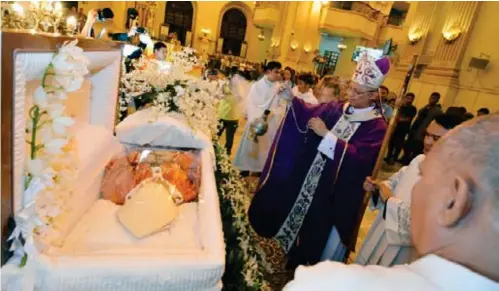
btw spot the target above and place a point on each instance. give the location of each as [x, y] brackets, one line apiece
[99, 16]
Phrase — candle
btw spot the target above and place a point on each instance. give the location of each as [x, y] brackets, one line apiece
[18, 9]
[58, 8]
[35, 4]
[71, 22]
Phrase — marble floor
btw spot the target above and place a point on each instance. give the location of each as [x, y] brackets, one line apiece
[367, 220]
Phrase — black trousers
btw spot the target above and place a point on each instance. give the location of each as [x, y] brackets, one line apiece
[230, 126]
[395, 146]
[412, 149]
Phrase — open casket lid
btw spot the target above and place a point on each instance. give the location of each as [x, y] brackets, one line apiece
[24, 59]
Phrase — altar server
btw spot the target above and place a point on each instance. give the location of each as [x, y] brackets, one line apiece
[303, 90]
[455, 209]
[388, 241]
[159, 51]
[310, 192]
[263, 95]
[229, 109]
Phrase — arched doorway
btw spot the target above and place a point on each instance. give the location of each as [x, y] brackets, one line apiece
[233, 31]
[178, 16]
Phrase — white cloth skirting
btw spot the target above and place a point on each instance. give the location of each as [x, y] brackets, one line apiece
[334, 250]
[376, 250]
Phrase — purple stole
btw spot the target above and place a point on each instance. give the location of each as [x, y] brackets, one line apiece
[299, 197]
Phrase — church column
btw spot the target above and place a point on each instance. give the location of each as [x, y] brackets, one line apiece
[423, 21]
[446, 62]
[289, 34]
[278, 32]
[311, 37]
[448, 55]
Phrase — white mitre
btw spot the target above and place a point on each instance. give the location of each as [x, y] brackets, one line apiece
[371, 73]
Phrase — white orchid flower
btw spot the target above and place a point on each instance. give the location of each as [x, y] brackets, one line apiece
[45, 134]
[40, 97]
[69, 83]
[180, 91]
[35, 167]
[65, 63]
[54, 146]
[61, 95]
[60, 122]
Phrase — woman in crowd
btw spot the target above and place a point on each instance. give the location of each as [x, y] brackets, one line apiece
[288, 75]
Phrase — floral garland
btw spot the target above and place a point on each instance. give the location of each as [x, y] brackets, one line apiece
[52, 165]
[187, 57]
[244, 258]
[197, 100]
[173, 91]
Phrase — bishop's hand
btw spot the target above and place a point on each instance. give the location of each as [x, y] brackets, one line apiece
[286, 92]
[318, 126]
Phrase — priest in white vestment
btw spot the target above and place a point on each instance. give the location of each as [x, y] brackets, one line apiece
[303, 89]
[388, 242]
[263, 95]
[454, 214]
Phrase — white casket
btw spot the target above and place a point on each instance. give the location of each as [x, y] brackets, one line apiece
[94, 251]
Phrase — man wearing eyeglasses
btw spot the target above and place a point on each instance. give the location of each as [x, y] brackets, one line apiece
[310, 192]
[454, 214]
[388, 242]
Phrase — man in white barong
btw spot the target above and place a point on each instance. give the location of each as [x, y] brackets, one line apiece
[263, 95]
[388, 242]
[455, 209]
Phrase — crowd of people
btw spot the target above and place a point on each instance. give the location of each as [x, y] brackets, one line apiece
[315, 162]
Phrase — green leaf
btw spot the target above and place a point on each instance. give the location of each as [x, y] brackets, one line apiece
[24, 260]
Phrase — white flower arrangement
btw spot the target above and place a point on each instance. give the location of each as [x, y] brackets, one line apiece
[176, 92]
[187, 57]
[234, 190]
[52, 164]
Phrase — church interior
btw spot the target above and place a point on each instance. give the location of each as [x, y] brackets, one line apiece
[460, 67]
[444, 48]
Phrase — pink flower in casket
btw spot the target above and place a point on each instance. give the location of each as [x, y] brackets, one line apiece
[59, 122]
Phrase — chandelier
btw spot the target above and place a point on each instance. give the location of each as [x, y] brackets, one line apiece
[44, 16]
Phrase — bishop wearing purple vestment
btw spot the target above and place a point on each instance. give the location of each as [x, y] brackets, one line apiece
[311, 189]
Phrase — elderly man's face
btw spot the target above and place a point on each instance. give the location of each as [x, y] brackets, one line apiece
[360, 96]
[425, 205]
[441, 200]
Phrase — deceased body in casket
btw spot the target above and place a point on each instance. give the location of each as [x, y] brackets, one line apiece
[142, 214]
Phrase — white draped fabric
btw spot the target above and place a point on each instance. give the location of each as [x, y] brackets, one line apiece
[388, 242]
[430, 273]
[263, 95]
